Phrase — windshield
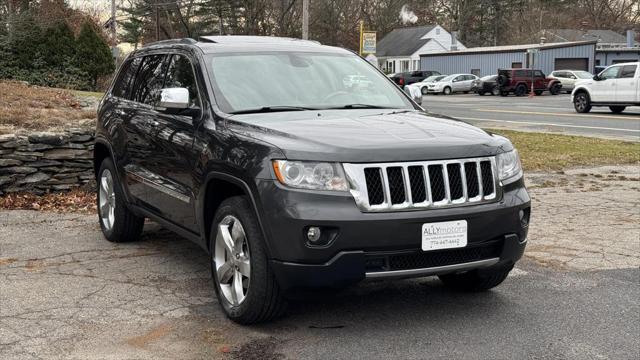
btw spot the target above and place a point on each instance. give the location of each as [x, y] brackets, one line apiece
[447, 78]
[432, 78]
[284, 81]
[583, 75]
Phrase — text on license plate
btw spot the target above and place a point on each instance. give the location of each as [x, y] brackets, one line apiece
[444, 235]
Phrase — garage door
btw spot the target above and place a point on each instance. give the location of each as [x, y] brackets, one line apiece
[572, 64]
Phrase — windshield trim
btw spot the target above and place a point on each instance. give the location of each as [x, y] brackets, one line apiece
[221, 102]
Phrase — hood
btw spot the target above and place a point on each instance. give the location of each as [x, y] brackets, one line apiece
[368, 135]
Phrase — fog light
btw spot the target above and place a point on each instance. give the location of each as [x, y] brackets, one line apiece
[313, 234]
[524, 217]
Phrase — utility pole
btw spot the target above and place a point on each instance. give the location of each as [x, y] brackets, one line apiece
[114, 36]
[157, 22]
[305, 19]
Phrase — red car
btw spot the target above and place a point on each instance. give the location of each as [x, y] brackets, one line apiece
[518, 81]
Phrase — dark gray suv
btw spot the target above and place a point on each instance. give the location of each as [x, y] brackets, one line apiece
[297, 165]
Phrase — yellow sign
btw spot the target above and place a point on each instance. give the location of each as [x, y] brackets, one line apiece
[369, 42]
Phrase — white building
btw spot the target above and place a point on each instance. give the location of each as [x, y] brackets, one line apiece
[400, 50]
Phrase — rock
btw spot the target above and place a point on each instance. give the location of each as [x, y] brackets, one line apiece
[25, 155]
[5, 180]
[81, 138]
[74, 146]
[43, 163]
[33, 178]
[87, 164]
[48, 138]
[72, 180]
[67, 154]
[5, 151]
[7, 137]
[63, 187]
[14, 143]
[36, 147]
[18, 170]
[10, 162]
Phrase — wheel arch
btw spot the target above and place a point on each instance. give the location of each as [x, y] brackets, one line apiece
[102, 149]
[216, 188]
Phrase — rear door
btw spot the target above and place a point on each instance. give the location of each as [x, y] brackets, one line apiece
[604, 90]
[627, 84]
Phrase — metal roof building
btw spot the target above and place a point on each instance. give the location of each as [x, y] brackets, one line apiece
[481, 61]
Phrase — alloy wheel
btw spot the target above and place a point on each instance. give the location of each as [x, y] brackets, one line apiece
[581, 102]
[232, 261]
[107, 200]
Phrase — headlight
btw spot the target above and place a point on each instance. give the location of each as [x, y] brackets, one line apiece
[509, 167]
[311, 175]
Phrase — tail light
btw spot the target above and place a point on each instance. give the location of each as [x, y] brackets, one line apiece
[401, 81]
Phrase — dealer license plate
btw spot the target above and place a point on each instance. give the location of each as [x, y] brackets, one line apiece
[444, 235]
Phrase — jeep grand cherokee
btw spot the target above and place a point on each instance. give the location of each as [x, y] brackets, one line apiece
[256, 150]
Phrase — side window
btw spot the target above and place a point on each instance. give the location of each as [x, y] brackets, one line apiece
[538, 73]
[518, 73]
[610, 73]
[628, 71]
[121, 87]
[148, 83]
[180, 74]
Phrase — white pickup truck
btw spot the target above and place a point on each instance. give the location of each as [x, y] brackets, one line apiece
[617, 87]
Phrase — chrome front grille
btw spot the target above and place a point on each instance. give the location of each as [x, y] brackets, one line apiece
[423, 184]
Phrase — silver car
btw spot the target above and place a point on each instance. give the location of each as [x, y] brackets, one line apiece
[452, 84]
[568, 78]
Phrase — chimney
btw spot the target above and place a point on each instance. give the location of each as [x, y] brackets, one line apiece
[454, 41]
[630, 38]
[542, 40]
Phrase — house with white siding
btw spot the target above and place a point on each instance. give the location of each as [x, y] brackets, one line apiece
[399, 50]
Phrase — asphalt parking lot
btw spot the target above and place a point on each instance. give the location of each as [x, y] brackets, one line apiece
[66, 293]
[546, 113]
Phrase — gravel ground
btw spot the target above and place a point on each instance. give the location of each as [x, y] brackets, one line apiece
[67, 293]
[586, 219]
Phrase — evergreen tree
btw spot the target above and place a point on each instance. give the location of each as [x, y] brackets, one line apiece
[93, 56]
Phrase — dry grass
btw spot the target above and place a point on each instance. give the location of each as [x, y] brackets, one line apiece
[39, 108]
[550, 152]
[74, 201]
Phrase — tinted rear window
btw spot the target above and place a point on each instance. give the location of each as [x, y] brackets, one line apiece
[121, 87]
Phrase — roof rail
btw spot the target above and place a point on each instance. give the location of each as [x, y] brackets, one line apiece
[187, 41]
[250, 39]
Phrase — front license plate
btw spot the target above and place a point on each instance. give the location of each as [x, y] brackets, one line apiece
[444, 235]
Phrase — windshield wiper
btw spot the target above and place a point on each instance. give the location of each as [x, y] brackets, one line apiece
[360, 106]
[275, 108]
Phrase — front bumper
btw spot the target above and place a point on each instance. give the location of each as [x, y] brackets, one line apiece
[382, 244]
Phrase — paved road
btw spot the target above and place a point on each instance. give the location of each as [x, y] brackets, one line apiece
[541, 113]
[66, 293]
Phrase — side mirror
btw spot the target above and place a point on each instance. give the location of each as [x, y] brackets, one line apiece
[415, 93]
[596, 78]
[174, 98]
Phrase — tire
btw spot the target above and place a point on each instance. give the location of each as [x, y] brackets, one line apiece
[263, 299]
[117, 222]
[521, 90]
[495, 91]
[581, 102]
[446, 91]
[424, 90]
[476, 280]
[555, 89]
[538, 92]
[502, 80]
[617, 109]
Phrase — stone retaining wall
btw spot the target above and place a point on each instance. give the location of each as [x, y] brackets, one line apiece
[45, 162]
